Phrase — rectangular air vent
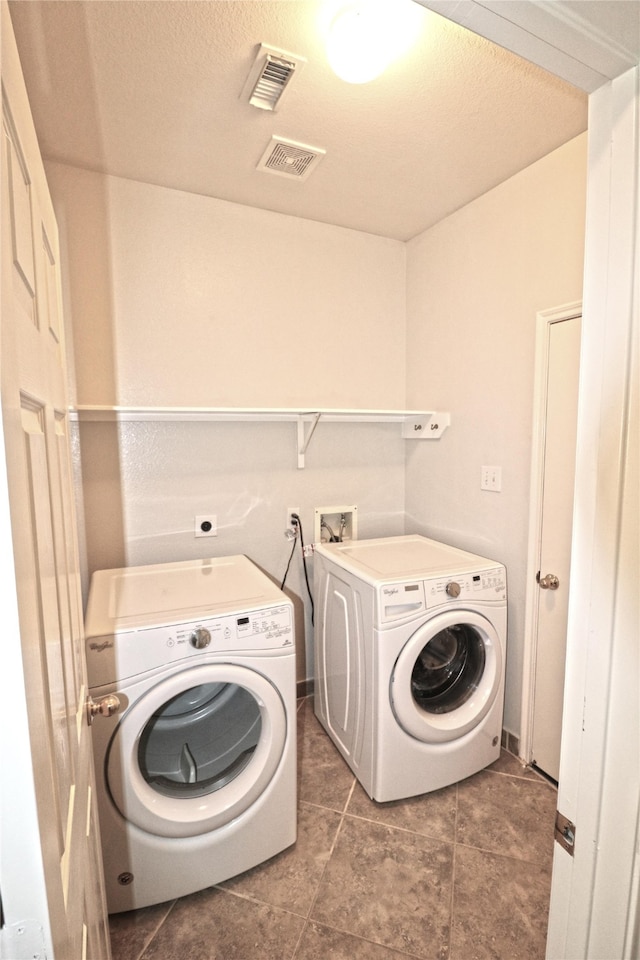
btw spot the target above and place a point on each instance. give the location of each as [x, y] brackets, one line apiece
[270, 76]
[290, 159]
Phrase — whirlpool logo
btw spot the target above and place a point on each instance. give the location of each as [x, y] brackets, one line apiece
[101, 647]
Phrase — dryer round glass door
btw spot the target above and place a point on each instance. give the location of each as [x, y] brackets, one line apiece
[197, 750]
[447, 676]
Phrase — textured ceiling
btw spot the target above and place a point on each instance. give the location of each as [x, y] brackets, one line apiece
[152, 91]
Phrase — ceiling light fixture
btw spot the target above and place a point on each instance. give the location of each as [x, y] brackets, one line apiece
[367, 36]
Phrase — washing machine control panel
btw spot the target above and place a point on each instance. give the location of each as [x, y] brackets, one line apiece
[402, 601]
[478, 585]
[132, 652]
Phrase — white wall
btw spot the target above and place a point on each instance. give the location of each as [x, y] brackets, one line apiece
[181, 300]
[185, 300]
[474, 284]
[177, 299]
[144, 483]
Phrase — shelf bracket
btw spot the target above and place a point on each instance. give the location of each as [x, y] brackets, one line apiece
[303, 441]
[427, 426]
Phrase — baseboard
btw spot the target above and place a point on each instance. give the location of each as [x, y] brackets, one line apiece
[304, 688]
[511, 743]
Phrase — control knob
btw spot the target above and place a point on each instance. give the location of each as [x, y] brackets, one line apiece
[452, 589]
[200, 638]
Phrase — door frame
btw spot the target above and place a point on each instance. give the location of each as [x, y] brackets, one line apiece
[544, 321]
[593, 912]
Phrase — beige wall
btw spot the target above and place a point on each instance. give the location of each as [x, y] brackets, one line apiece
[474, 284]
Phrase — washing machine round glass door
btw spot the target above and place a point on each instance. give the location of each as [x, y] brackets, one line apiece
[196, 750]
[447, 676]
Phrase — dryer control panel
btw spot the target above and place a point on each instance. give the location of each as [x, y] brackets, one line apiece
[127, 654]
[403, 601]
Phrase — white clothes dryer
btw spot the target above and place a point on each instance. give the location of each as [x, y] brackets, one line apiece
[196, 774]
[409, 661]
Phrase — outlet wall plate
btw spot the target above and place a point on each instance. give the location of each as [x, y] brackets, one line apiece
[206, 525]
[289, 522]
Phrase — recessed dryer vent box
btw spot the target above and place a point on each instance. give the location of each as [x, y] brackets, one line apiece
[333, 524]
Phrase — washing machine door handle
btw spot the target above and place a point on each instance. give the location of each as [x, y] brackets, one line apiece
[104, 707]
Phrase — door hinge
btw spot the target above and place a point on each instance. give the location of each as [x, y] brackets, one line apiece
[23, 940]
[565, 833]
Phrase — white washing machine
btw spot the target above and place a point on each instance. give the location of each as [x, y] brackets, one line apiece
[197, 772]
[409, 661]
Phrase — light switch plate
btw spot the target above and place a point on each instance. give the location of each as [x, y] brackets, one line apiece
[491, 479]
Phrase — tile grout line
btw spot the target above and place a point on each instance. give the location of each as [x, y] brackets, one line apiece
[453, 873]
[319, 883]
[506, 856]
[537, 779]
[400, 829]
[148, 943]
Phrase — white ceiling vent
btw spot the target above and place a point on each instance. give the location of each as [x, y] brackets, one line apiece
[270, 76]
[290, 159]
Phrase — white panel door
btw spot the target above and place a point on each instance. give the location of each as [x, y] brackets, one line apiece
[52, 800]
[554, 559]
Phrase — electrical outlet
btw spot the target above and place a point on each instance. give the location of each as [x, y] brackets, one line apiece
[491, 479]
[206, 526]
[290, 523]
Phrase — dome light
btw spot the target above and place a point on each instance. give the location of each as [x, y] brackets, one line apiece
[365, 37]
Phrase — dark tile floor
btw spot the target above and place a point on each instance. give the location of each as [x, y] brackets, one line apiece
[460, 874]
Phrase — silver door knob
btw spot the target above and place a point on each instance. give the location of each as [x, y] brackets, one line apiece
[105, 707]
[550, 582]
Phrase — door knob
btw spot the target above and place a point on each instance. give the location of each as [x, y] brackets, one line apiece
[105, 707]
[550, 582]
